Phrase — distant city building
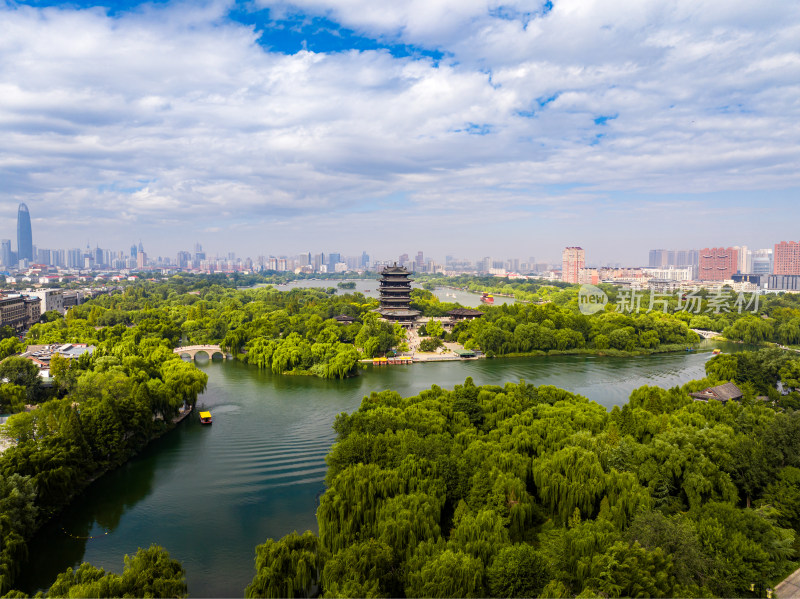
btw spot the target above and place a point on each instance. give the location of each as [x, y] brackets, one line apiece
[783, 282]
[141, 258]
[754, 279]
[573, 259]
[24, 235]
[183, 259]
[787, 258]
[588, 276]
[760, 262]
[19, 311]
[742, 265]
[74, 258]
[670, 273]
[718, 264]
[5, 253]
[51, 299]
[676, 258]
[659, 258]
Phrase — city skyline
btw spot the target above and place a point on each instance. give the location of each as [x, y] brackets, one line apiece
[461, 127]
[656, 257]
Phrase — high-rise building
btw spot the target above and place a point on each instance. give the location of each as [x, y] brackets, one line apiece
[134, 251]
[183, 259]
[24, 235]
[659, 258]
[743, 252]
[420, 261]
[761, 262]
[573, 259]
[75, 258]
[5, 253]
[718, 264]
[364, 260]
[787, 258]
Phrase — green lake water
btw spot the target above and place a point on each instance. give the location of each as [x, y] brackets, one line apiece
[210, 494]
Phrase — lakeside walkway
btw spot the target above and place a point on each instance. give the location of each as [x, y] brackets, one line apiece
[789, 588]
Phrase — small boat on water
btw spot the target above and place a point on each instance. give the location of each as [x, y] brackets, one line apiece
[716, 352]
[487, 298]
[205, 417]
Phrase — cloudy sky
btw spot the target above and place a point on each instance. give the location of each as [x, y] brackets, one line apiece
[465, 127]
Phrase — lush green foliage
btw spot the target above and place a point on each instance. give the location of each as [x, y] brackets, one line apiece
[520, 490]
[523, 328]
[282, 331]
[149, 573]
[101, 410]
[777, 317]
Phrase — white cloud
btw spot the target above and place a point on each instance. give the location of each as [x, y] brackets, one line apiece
[170, 115]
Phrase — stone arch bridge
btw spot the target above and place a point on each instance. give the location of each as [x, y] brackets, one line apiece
[192, 350]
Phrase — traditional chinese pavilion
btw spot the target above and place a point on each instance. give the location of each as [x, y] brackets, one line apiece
[395, 295]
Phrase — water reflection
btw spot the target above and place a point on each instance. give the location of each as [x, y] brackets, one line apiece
[89, 519]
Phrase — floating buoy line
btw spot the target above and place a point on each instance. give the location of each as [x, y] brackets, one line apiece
[84, 538]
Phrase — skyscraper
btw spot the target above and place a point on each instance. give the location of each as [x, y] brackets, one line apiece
[5, 253]
[24, 235]
[659, 258]
[573, 259]
[787, 258]
[718, 264]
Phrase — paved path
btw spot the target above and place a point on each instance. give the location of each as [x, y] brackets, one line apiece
[789, 588]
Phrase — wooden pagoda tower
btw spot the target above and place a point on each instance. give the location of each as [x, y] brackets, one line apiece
[395, 295]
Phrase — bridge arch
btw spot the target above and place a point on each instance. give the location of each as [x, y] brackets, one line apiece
[191, 351]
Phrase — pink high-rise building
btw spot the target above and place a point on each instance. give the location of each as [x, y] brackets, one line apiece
[718, 264]
[573, 260]
[787, 258]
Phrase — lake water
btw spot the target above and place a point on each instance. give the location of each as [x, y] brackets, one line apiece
[369, 287]
[210, 494]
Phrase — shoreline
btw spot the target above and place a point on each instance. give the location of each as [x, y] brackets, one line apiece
[94, 477]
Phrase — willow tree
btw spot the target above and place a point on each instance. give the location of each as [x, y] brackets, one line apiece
[290, 567]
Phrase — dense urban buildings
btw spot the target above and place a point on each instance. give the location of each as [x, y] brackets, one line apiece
[573, 260]
[718, 264]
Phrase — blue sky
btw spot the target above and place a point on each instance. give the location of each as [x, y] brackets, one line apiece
[463, 127]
